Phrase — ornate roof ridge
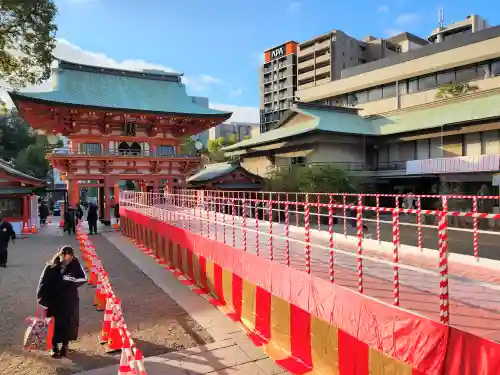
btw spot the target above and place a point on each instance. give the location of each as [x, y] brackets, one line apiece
[152, 74]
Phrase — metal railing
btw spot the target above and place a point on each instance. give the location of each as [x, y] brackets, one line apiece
[347, 166]
[339, 234]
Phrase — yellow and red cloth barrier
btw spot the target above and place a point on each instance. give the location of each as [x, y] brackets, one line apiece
[307, 324]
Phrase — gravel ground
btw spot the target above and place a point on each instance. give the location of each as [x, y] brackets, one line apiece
[156, 322]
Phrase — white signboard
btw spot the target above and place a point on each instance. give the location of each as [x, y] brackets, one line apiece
[480, 163]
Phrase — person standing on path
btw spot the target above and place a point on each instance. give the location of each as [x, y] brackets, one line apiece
[92, 217]
[57, 293]
[6, 234]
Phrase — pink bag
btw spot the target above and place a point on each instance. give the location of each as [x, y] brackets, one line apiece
[38, 335]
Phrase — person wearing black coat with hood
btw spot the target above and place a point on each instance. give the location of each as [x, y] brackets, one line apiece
[92, 217]
[58, 293]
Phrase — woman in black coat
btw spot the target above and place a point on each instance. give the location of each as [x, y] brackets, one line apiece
[58, 294]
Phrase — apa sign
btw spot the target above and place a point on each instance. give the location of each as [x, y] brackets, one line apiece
[278, 52]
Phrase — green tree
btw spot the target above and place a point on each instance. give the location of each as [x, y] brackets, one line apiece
[215, 146]
[32, 160]
[188, 147]
[27, 40]
[15, 135]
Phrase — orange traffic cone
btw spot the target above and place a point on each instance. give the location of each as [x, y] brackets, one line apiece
[50, 220]
[139, 361]
[106, 324]
[114, 339]
[100, 296]
[127, 362]
[33, 228]
[26, 229]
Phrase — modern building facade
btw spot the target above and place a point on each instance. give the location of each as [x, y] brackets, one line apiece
[278, 83]
[320, 60]
[424, 120]
[242, 130]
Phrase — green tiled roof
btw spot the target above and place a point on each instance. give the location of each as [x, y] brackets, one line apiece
[337, 121]
[15, 190]
[147, 91]
[318, 120]
[213, 171]
[9, 169]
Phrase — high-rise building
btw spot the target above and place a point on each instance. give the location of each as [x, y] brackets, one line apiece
[278, 83]
[471, 24]
[322, 58]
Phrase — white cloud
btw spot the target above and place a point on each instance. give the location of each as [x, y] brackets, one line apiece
[236, 92]
[383, 9]
[407, 19]
[240, 114]
[68, 51]
[209, 79]
[294, 6]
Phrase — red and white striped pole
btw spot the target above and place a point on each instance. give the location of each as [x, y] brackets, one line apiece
[232, 214]
[330, 232]
[256, 213]
[207, 214]
[359, 247]
[224, 209]
[270, 207]
[377, 200]
[419, 224]
[244, 222]
[200, 210]
[395, 242]
[307, 235]
[475, 232]
[297, 210]
[287, 232]
[344, 204]
[318, 210]
[216, 201]
[444, 297]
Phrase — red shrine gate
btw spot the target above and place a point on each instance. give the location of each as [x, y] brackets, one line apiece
[122, 125]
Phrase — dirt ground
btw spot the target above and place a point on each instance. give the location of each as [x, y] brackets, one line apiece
[156, 322]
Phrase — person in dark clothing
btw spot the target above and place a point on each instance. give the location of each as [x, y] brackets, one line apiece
[43, 212]
[117, 212]
[6, 234]
[70, 220]
[57, 292]
[92, 218]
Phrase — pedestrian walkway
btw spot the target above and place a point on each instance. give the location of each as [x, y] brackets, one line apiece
[155, 320]
[231, 353]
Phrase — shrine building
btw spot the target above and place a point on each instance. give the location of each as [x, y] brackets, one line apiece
[122, 126]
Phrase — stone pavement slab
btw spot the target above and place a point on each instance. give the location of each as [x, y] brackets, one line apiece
[232, 353]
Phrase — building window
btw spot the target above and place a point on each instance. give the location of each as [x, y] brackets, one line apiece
[165, 151]
[495, 68]
[375, 94]
[389, 91]
[413, 86]
[91, 148]
[298, 160]
[467, 73]
[361, 97]
[427, 82]
[446, 77]
[11, 207]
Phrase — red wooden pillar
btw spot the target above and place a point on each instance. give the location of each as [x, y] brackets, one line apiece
[107, 201]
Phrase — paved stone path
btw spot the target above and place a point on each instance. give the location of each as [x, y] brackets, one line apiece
[155, 320]
[232, 353]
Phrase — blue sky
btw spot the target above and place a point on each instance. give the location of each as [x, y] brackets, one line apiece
[219, 43]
